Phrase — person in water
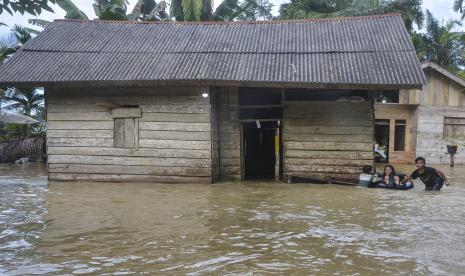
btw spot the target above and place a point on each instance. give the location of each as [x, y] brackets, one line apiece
[390, 178]
[432, 178]
[367, 178]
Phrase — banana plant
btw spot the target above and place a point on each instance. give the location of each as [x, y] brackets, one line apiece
[229, 10]
[72, 11]
[110, 9]
[149, 10]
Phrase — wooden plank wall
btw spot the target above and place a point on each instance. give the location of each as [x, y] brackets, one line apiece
[430, 142]
[229, 133]
[440, 97]
[174, 135]
[438, 91]
[214, 115]
[327, 138]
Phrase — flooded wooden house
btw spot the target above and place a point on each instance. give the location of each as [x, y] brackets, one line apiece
[418, 122]
[205, 102]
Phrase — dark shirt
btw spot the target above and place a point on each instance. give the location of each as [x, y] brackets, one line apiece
[428, 176]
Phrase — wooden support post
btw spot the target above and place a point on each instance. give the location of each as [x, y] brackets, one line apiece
[452, 155]
[276, 154]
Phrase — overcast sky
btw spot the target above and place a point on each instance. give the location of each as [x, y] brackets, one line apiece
[442, 9]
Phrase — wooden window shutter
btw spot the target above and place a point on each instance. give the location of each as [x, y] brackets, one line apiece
[454, 127]
[126, 129]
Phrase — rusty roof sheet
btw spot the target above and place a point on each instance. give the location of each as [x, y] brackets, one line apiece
[373, 51]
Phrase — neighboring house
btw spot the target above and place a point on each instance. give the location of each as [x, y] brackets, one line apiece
[415, 122]
[185, 102]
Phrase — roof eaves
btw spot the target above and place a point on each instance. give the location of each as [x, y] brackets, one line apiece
[210, 82]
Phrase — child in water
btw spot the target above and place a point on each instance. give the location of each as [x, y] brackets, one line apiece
[367, 178]
[431, 177]
[390, 178]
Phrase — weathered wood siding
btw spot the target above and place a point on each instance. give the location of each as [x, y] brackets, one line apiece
[395, 112]
[214, 115]
[440, 97]
[430, 142]
[174, 136]
[229, 133]
[439, 90]
[327, 138]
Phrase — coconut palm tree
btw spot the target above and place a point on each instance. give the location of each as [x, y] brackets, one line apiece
[459, 7]
[13, 40]
[29, 102]
[191, 10]
[25, 101]
[442, 44]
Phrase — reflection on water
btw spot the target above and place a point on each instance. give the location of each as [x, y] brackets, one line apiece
[249, 228]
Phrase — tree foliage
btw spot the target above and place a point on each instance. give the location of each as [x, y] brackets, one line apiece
[147, 10]
[459, 7]
[33, 7]
[441, 43]
[230, 10]
[256, 10]
[110, 9]
[299, 9]
[191, 10]
[25, 101]
[72, 11]
[13, 40]
[29, 102]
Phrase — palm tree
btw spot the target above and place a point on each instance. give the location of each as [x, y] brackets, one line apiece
[441, 44]
[191, 10]
[458, 7]
[29, 102]
[12, 41]
[25, 101]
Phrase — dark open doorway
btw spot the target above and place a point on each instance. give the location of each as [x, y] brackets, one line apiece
[382, 141]
[259, 150]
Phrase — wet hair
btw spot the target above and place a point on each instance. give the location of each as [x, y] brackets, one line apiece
[392, 169]
[367, 169]
[420, 159]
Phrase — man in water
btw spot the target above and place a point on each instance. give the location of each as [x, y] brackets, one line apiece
[432, 178]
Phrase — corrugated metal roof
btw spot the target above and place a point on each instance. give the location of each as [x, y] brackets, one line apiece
[373, 51]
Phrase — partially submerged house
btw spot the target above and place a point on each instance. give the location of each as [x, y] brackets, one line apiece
[417, 122]
[204, 102]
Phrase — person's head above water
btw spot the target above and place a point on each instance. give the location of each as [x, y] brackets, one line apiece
[367, 169]
[389, 169]
[420, 162]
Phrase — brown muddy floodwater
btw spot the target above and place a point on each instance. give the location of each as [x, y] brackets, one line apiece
[229, 228]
